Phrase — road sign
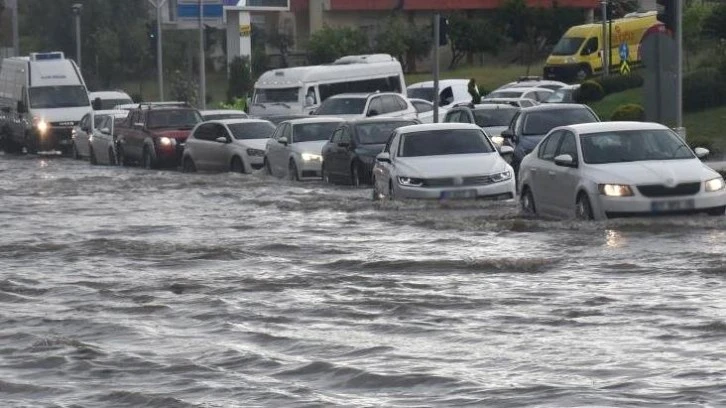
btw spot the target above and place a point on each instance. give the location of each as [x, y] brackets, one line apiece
[245, 30]
[624, 67]
[624, 51]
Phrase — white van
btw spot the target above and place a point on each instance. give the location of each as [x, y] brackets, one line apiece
[41, 98]
[450, 91]
[105, 100]
[300, 90]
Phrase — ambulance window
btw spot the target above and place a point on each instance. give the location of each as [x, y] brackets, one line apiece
[590, 47]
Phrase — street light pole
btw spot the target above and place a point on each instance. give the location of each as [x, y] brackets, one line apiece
[605, 39]
[202, 67]
[679, 67]
[437, 34]
[77, 8]
[16, 30]
[158, 4]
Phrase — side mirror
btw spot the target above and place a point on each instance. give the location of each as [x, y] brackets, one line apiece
[283, 140]
[701, 152]
[383, 157]
[21, 107]
[506, 150]
[221, 139]
[106, 131]
[565, 160]
[372, 112]
[96, 104]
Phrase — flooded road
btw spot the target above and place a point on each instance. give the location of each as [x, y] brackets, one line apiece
[126, 288]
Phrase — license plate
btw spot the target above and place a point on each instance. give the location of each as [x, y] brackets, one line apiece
[673, 205]
[454, 194]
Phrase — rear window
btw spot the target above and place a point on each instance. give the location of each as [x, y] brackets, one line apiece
[173, 118]
[494, 117]
[252, 130]
[444, 142]
[342, 106]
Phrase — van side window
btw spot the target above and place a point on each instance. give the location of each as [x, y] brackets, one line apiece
[590, 47]
[447, 96]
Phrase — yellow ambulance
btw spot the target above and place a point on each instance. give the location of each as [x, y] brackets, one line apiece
[579, 52]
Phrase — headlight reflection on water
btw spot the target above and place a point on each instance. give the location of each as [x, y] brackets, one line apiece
[614, 239]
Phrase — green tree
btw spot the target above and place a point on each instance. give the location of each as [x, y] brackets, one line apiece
[182, 88]
[472, 36]
[328, 44]
[619, 8]
[714, 25]
[419, 43]
[407, 42]
[240, 79]
[283, 42]
[694, 16]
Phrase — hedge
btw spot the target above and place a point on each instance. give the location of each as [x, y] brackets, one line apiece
[590, 91]
[618, 83]
[629, 112]
[703, 89]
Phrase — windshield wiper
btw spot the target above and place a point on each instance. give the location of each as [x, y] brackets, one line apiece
[259, 104]
[281, 104]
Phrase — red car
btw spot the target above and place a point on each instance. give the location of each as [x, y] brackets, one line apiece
[154, 135]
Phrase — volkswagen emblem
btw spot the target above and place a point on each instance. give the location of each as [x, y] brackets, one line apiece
[670, 182]
[458, 181]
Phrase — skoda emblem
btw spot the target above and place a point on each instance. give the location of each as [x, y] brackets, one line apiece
[670, 182]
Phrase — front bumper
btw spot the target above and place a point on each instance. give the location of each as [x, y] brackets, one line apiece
[312, 169]
[55, 138]
[169, 156]
[611, 207]
[562, 72]
[505, 190]
[255, 162]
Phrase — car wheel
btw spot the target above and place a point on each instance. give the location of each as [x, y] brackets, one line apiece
[92, 156]
[237, 166]
[355, 175]
[292, 173]
[376, 196]
[583, 208]
[74, 152]
[391, 191]
[526, 202]
[268, 168]
[326, 174]
[111, 157]
[583, 73]
[188, 165]
[121, 158]
[147, 160]
[31, 146]
[716, 211]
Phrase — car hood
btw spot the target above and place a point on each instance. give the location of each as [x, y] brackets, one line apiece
[259, 144]
[667, 172]
[172, 134]
[495, 130]
[315, 147]
[370, 150]
[450, 165]
[56, 115]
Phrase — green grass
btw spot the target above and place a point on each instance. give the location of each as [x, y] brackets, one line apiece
[487, 77]
[149, 89]
[606, 107]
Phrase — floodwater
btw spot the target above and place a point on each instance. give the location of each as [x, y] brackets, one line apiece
[121, 287]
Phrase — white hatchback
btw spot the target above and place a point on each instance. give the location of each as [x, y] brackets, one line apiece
[236, 145]
[362, 105]
[442, 161]
[295, 149]
[611, 169]
[102, 143]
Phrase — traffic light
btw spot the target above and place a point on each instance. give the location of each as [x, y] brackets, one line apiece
[443, 30]
[208, 36]
[667, 14]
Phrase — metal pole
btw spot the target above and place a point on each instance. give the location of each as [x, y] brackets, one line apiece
[16, 30]
[605, 42]
[437, 29]
[159, 56]
[202, 67]
[679, 66]
[78, 41]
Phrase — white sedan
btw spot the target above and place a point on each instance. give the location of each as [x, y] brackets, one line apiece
[610, 169]
[296, 148]
[442, 161]
[236, 145]
[102, 143]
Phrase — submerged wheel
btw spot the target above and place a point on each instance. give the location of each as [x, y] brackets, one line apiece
[526, 202]
[237, 166]
[188, 165]
[111, 157]
[147, 160]
[268, 168]
[716, 211]
[355, 175]
[74, 152]
[583, 208]
[92, 156]
[292, 173]
[326, 174]
[391, 191]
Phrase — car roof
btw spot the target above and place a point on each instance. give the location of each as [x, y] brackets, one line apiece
[221, 111]
[379, 119]
[111, 112]
[316, 119]
[442, 82]
[597, 127]
[361, 94]
[437, 126]
[492, 106]
[553, 106]
[420, 100]
[238, 120]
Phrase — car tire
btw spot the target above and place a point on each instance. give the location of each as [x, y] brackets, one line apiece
[526, 202]
[583, 208]
[74, 152]
[376, 195]
[266, 165]
[355, 175]
[121, 160]
[111, 157]
[391, 191]
[237, 166]
[326, 174]
[31, 146]
[188, 165]
[716, 211]
[292, 172]
[92, 156]
[147, 161]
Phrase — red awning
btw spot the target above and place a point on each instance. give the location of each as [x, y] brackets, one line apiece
[362, 5]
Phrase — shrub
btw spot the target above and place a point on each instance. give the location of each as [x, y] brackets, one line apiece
[240, 79]
[703, 89]
[629, 112]
[590, 91]
[619, 83]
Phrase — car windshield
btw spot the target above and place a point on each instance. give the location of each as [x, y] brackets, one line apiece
[220, 116]
[176, 119]
[541, 122]
[567, 46]
[44, 97]
[277, 95]
[108, 104]
[494, 117]
[342, 106]
[252, 130]
[633, 145]
[510, 93]
[379, 132]
[97, 120]
[421, 93]
[310, 132]
[444, 142]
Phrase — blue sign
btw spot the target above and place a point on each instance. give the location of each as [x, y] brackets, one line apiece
[191, 11]
[624, 51]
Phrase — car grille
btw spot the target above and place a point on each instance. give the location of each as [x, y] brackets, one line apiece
[462, 181]
[659, 190]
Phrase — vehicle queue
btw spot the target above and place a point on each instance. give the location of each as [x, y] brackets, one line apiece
[557, 158]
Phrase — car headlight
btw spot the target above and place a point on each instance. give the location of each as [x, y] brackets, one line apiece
[502, 176]
[255, 152]
[410, 181]
[311, 157]
[498, 140]
[615, 190]
[715, 184]
[167, 141]
[42, 126]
